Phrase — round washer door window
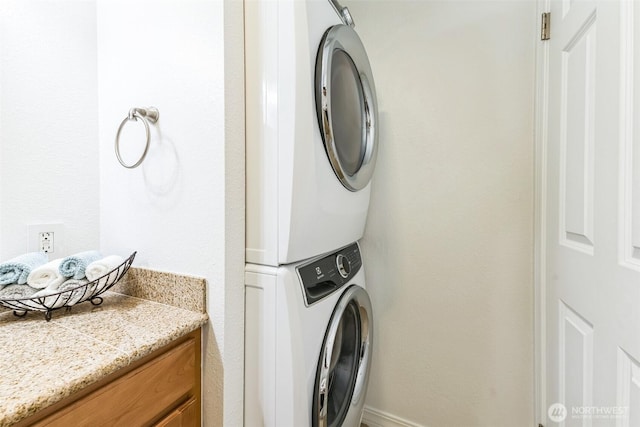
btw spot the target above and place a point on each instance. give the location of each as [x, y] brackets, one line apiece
[343, 365]
[346, 106]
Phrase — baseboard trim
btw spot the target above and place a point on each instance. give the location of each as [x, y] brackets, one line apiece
[375, 418]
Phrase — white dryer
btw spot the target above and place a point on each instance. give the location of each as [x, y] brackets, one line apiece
[308, 337]
[311, 130]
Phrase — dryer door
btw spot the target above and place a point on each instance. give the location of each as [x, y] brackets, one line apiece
[346, 106]
[343, 366]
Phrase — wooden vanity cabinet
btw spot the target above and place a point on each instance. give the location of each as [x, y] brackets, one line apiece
[188, 414]
[162, 389]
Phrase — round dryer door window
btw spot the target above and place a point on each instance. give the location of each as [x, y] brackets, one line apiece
[343, 365]
[346, 106]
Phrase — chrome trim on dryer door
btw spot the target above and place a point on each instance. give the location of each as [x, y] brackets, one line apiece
[353, 161]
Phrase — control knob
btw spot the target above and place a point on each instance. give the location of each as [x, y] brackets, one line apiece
[344, 266]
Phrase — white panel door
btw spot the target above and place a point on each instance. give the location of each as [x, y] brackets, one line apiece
[591, 218]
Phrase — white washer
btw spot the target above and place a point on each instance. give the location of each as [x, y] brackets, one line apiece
[308, 337]
[311, 130]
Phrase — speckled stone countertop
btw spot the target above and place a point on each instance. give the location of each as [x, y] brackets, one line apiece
[43, 362]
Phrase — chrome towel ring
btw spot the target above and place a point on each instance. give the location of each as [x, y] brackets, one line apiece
[146, 115]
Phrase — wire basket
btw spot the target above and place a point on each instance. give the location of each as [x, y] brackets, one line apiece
[69, 297]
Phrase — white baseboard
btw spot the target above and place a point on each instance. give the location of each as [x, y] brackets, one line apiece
[375, 418]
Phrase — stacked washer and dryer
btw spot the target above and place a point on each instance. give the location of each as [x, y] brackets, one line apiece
[311, 150]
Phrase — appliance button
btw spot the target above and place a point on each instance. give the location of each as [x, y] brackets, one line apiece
[344, 265]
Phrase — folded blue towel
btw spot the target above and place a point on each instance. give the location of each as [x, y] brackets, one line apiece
[75, 265]
[17, 270]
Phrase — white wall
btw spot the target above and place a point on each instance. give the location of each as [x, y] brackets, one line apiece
[182, 210]
[449, 241]
[48, 122]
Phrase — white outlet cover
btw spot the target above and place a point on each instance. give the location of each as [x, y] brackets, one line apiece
[33, 237]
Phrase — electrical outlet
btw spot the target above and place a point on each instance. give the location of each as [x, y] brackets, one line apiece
[46, 242]
[48, 238]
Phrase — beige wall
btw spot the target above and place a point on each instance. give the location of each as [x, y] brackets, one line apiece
[449, 241]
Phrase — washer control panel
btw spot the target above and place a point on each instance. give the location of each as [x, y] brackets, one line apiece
[326, 275]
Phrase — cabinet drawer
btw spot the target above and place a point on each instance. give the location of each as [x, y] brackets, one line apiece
[186, 415]
[139, 397]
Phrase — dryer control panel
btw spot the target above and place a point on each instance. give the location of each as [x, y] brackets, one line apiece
[326, 275]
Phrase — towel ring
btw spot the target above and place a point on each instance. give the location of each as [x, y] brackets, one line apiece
[145, 115]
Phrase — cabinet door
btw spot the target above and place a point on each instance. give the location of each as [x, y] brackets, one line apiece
[184, 416]
[137, 398]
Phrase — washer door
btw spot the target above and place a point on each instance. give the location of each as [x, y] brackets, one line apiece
[343, 366]
[346, 106]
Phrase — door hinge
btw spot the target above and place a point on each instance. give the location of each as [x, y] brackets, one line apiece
[546, 26]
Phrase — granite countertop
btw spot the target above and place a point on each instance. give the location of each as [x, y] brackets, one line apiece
[43, 362]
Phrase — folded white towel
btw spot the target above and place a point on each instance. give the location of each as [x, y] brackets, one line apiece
[54, 299]
[77, 295]
[46, 275]
[103, 266]
[16, 292]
